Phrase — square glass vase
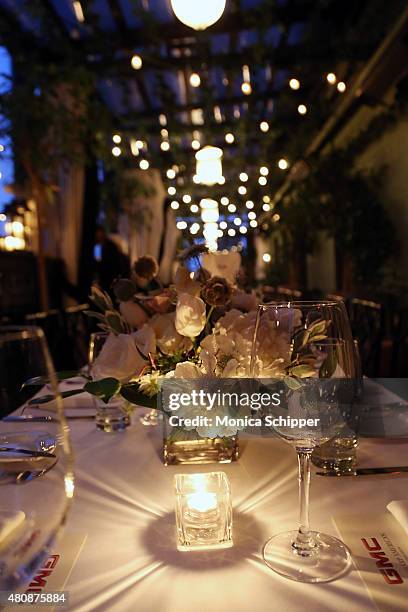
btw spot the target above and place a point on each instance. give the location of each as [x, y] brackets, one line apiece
[182, 447]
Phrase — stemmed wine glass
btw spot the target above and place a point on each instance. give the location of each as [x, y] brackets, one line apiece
[306, 349]
[36, 465]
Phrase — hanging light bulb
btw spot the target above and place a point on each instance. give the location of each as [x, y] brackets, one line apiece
[181, 225]
[251, 215]
[253, 223]
[165, 145]
[198, 15]
[186, 198]
[229, 138]
[195, 80]
[243, 229]
[283, 163]
[232, 208]
[262, 181]
[266, 199]
[331, 78]
[172, 191]
[231, 232]
[209, 166]
[117, 138]
[266, 257]
[264, 126]
[224, 201]
[246, 88]
[266, 207]
[209, 210]
[223, 225]
[242, 190]
[302, 109]
[243, 177]
[294, 84]
[194, 208]
[170, 173]
[249, 204]
[263, 171]
[341, 86]
[195, 144]
[195, 228]
[237, 221]
[175, 205]
[136, 62]
[116, 151]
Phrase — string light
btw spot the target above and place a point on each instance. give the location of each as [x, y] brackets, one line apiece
[302, 109]
[231, 232]
[1, 148]
[186, 199]
[175, 205]
[164, 133]
[243, 229]
[341, 86]
[221, 180]
[229, 138]
[246, 88]
[275, 217]
[331, 78]
[133, 147]
[136, 62]
[237, 221]
[172, 191]
[139, 144]
[264, 126]
[198, 15]
[262, 181]
[220, 233]
[294, 84]
[116, 151]
[242, 190]
[194, 208]
[195, 228]
[266, 199]
[181, 225]
[79, 13]
[249, 204]
[253, 223]
[266, 257]
[283, 164]
[170, 173]
[251, 215]
[195, 80]
[224, 201]
[117, 139]
[266, 207]
[264, 171]
[243, 177]
[162, 119]
[165, 145]
[232, 208]
[223, 225]
[144, 165]
[196, 179]
[195, 144]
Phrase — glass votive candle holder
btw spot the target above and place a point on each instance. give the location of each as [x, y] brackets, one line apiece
[203, 511]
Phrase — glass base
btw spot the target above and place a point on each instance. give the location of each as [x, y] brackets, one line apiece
[112, 419]
[203, 450]
[330, 560]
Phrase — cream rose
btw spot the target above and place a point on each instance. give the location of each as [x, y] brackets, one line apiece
[168, 339]
[190, 315]
[119, 358]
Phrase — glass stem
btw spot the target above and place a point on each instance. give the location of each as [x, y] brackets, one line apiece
[304, 544]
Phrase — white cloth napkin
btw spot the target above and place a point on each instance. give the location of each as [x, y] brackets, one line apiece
[399, 509]
[9, 521]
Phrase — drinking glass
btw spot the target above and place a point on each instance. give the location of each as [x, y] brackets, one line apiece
[36, 465]
[112, 416]
[306, 349]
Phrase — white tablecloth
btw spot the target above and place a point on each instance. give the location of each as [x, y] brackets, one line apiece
[124, 501]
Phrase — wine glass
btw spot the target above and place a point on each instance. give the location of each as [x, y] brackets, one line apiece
[306, 350]
[113, 416]
[36, 465]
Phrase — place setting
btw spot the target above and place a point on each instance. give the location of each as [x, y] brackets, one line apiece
[203, 314]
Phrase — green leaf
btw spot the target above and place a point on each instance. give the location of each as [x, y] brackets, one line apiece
[95, 315]
[101, 299]
[105, 388]
[115, 321]
[303, 371]
[292, 383]
[43, 380]
[133, 395]
[44, 399]
[317, 328]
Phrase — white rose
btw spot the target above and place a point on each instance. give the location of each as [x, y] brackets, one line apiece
[168, 339]
[133, 314]
[190, 315]
[119, 358]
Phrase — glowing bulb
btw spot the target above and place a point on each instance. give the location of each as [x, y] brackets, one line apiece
[1, 148]
[170, 173]
[231, 232]
[221, 180]
[164, 133]
[229, 138]
[232, 208]
[172, 191]
[175, 205]
[276, 217]
[139, 144]
[246, 88]
[331, 78]
[144, 164]
[186, 198]
[266, 257]
[266, 199]
[136, 62]
[223, 225]
[251, 215]
[264, 126]
[242, 190]
[266, 207]
[264, 171]
[165, 145]
[116, 151]
[196, 179]
[195, 80]
[253, 223]
[243, 177]
[117, 139]
[249, 204]
[181, 225]
[224, 201]
[243, 229]
[194, 208]
[262, 181]
[237, 221]
[294, 84]
[198, 15]
[195, 228]
[195, 144]
[283, 164]
[302, 109]
[341, 86]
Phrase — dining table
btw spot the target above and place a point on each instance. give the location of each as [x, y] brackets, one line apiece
[124, 503]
